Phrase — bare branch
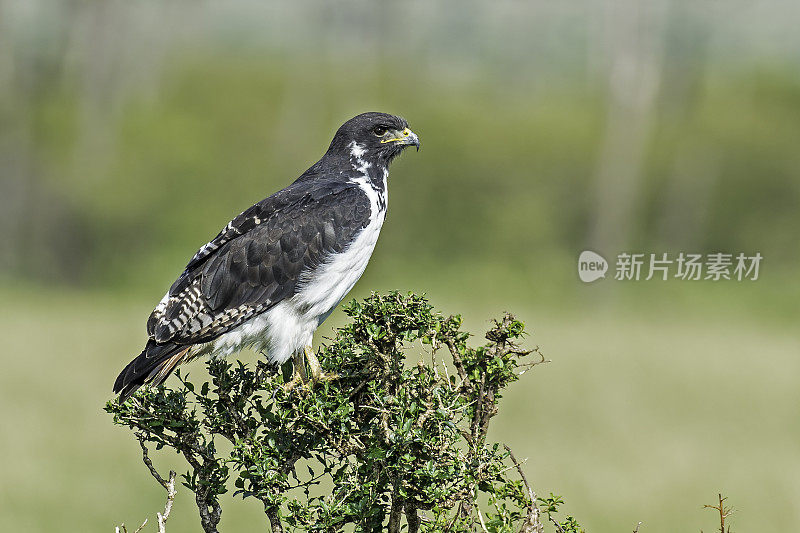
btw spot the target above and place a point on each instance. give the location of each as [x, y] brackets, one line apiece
[533, 523]
[483, 524]
[459, 364]
[169, 485]
[724, 512]
[171, 492]
[149, 464]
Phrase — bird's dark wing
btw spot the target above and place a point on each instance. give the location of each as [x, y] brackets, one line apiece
[257, 260]
[248, 220]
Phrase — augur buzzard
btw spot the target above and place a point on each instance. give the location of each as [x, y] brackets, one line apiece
[278, 270]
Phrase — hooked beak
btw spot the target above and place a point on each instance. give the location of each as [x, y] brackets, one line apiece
[405, 138]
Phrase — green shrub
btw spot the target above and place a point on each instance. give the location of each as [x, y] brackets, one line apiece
[398, 437]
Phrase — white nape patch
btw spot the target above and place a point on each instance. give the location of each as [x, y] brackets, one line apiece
[357, 151]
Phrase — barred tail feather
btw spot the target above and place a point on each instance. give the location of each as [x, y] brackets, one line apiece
[151, 367]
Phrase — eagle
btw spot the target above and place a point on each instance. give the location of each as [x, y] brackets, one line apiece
[277, 270]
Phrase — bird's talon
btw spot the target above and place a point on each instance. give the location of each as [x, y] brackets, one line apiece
[327, 376]
[296, 381]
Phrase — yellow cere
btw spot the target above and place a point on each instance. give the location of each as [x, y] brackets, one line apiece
[406, 133]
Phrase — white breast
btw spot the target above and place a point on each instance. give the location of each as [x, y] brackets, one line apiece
[326, 286]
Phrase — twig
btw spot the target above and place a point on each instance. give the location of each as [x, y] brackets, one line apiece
[358, 388]
[125, 529]
[171, 492]
[724, 512]
[148, 463]
[479, 408]
[168, 484]
[533, 523]
[558, 527]
[483, 524]
[444, 369]
[459, 364]
[527, 366]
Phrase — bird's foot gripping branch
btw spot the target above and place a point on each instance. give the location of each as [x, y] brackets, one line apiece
[398, 439]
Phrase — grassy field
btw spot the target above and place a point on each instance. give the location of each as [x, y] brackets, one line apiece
[640, 416]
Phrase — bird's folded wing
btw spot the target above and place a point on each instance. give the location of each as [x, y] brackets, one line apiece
[256, 262]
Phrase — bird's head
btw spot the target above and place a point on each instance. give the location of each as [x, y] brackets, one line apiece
[374, 137]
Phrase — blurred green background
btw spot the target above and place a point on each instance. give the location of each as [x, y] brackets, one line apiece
[131, 132]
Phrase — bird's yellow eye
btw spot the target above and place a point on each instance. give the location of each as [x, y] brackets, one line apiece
[380, 131]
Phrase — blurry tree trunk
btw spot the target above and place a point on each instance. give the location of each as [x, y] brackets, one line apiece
[12, 151]
[118, 49]
[28, 75]
[683, 207]
[632, 45]
[96, 54]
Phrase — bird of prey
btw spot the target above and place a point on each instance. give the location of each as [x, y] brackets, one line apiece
[277, 270]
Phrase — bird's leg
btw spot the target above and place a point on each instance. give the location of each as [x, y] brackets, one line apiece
[313, 363]
[299, 376]
[315, 368]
